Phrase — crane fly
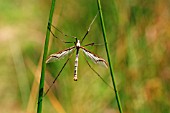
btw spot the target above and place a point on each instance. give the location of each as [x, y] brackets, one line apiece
[77, 47]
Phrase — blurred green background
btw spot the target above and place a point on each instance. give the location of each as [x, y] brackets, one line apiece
[138, 36]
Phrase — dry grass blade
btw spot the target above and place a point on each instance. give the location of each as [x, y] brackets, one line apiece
[36, 71]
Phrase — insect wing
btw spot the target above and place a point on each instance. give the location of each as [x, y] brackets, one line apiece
[95, 58]
[59, 55]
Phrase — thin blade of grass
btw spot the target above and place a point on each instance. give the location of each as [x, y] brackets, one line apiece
[36, 72]
[108, 56]
[41, 86]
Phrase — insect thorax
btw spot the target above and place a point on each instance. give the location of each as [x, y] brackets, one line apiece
[78, 43]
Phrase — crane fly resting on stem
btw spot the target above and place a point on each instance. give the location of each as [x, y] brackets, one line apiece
[77, 47]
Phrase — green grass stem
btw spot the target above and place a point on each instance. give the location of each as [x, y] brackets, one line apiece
[108, 56]
[41, 86]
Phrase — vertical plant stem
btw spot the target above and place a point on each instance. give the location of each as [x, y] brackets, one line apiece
[108, 56]
[41, 86]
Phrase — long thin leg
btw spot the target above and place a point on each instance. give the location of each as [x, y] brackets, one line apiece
[57, 37]
[49, 24]
[93, 44]
[89, 28]
[58, 75]
[98, 74]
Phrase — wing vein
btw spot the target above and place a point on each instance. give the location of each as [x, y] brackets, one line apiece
[59, 55]
[96, 59]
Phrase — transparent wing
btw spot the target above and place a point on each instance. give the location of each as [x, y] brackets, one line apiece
[94, 58]
[59, 55]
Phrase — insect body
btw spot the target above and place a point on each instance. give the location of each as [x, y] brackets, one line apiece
[77, 47]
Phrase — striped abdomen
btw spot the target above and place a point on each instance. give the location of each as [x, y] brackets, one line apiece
[75, 67]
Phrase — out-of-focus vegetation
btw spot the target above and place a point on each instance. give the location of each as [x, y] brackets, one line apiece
[138, 35]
